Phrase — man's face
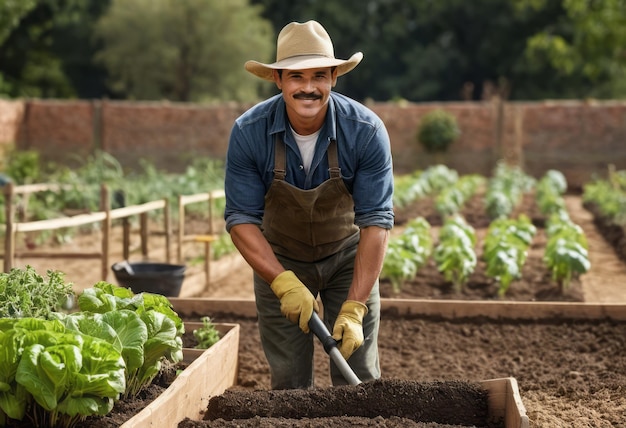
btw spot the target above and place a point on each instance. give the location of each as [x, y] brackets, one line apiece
[306, 93]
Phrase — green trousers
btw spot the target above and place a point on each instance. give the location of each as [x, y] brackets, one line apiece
[288, 350]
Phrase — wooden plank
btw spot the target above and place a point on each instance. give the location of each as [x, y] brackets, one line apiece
[448, 309]
[452, 309]
[58, 255]
[192, 199]
[58, 223]
[198, 307]
[137, 209]
[505, 402]
[188, 396]
[42, 187]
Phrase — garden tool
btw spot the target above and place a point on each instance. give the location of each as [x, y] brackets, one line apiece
[330, 346]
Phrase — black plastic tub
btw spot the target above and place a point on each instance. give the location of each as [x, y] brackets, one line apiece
[159, 278]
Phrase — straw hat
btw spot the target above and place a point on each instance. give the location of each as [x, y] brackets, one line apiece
[301, 46]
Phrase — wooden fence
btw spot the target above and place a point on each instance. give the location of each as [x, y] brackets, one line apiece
[105, 217]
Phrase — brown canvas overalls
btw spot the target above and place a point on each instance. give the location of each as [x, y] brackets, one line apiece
[312, 232]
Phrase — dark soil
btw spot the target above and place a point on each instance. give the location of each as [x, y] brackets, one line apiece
[449, 402]
[570, 373]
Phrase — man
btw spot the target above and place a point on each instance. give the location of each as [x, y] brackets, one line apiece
[309, 188]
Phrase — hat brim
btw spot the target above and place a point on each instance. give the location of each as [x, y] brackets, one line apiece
[302, 62]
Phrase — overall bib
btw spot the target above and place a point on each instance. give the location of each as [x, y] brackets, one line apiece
[312, 233]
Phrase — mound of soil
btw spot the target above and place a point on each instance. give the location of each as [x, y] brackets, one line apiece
[450, 402]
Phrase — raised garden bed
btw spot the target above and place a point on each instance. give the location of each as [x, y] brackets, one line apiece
[209, 373]
[566, 357]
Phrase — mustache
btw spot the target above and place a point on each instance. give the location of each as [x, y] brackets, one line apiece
[307, 96]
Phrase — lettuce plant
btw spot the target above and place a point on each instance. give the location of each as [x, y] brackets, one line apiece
[147, 328]
[60, 376]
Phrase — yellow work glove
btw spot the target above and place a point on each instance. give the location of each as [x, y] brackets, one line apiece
[348, 329]
[296, 301]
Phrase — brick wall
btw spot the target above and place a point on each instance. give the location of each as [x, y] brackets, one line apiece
[578, 138]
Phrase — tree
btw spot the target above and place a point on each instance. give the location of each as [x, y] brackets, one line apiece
[437, 50]
[585, 45]
[183, 50]
[11, 13]
[46, 48]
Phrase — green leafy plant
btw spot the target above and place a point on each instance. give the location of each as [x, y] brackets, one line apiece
[505, 249]
[437, 130]
[25, 293]
[608, 196]
[156, 335]
[454, 254]
[55, 376]
[549, 192]
[207, 335]
[407, 189]
[505, 189]
[566, 254]
[452, 198]
[407, 253]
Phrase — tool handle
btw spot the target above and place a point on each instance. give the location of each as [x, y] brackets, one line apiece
[318, 328]
[330, 346]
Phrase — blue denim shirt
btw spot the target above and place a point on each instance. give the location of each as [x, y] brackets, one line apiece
[364, 158]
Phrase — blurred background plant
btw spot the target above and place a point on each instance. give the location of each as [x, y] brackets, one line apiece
[194, 50]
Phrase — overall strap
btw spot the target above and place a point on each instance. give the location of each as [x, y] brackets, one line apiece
[333, 160]
[280, 162]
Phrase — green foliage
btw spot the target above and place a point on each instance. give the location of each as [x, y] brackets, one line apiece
[609, 196]
[505, 189]
[407, 254]
[56, 376]
[222, 246]
[566, 253]
[145, 340]
[48, 55]
[23, 166]
[81, 190]
[437, 130]
[11, 13]
[549, 191]
[454, 254]
[207, 335]
[25, 293]
[407, 189]
[419, 184]
[585, 44]
[522, 49]
[505, 249]
[452, 198]
[188, 50]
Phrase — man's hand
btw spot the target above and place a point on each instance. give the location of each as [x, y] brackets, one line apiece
[296, 301]
[348, 329]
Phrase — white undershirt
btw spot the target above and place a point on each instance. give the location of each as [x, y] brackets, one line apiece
[306, 144]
